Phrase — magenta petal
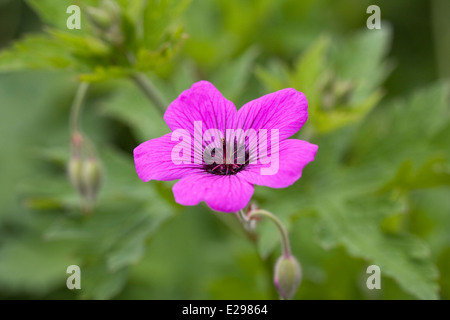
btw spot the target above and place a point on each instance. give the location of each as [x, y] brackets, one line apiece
[294, 155]
[285, 110]
[221, 193]
[202, 102]
[153, 160]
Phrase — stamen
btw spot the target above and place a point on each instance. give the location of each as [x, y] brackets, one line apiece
[227, 167]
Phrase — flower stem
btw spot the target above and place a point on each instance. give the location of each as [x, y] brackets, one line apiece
[150, 91]
[283, 232]
[77, 107]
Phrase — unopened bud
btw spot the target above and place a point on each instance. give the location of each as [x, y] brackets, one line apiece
[111, 6]
[107, 22]
[91, 175]
[287, 276]
[74, 170]
[343, 91]
[100, 18]
[114, 35]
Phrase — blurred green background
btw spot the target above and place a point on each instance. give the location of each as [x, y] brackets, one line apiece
[377, 193]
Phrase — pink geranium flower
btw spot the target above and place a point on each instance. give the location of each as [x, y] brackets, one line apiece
[227, 186]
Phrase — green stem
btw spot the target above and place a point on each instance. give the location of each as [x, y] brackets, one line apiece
[77, 107]
[245, 223]
[283, 232]
[150, 91]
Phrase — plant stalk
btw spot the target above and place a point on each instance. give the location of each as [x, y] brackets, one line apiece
[77, 107]
[150, 91]
[283, 232]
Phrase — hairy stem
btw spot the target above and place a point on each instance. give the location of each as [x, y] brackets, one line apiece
[150, 91]
[283, 232]
[77, 107]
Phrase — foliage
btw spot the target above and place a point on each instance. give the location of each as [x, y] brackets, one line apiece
[128, 36]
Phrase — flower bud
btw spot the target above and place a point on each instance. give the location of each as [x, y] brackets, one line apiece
[74, 170]
[287, 276]
[343, 91]
[84, 170]
[100, 18]
[114, 35]
[111, 6]
[91, 177]
[107, 22]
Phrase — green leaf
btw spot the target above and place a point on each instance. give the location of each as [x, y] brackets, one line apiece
[130, 106]
[35, 266]
[36, 52]
[232, 77]
[142, 36]
[355, 224]
[159, 20]
[330, 121]
[309, 69]
[100, 73]
[100, 283]
[413, 123]
[340, 92]
[52, 12]
[361, 59]
[274, 77]
[147, 59]
[433, 173]
[430, 218]
[84, 46]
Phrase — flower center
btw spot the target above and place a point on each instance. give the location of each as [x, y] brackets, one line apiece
[231, 165]
[224, 169]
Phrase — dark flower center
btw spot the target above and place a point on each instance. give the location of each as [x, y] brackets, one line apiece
[229, 166]
[224, 169]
